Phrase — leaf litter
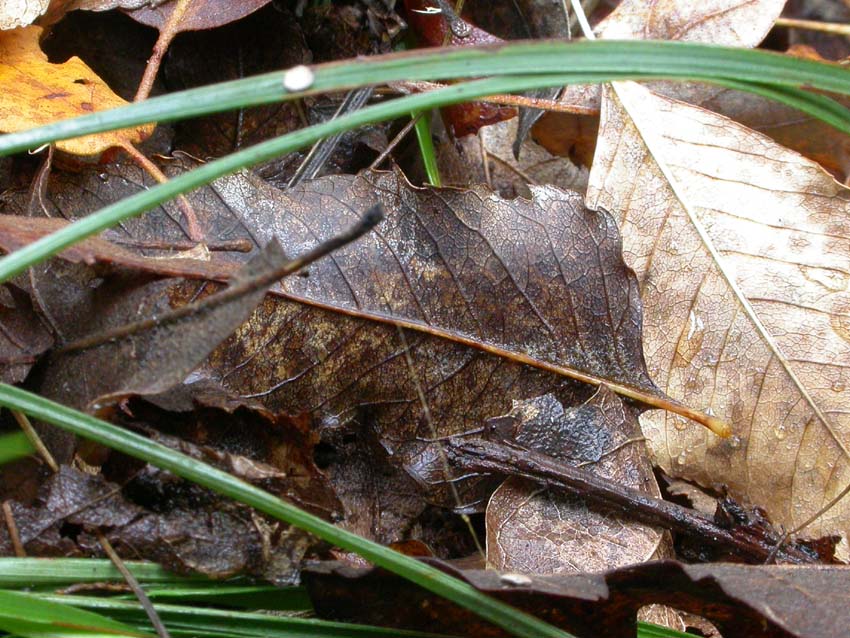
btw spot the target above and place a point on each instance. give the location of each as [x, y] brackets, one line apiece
[344, 383]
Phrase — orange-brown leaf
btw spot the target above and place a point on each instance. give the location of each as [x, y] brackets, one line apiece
[34, 92]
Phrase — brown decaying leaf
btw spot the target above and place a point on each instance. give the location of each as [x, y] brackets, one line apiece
[465, 269]
[23, 337]
[536, 531]
[741, 249]
[36, 92]
[157, 356]
[539, 280]
[200, 15]
[191, 530]
[751, 601]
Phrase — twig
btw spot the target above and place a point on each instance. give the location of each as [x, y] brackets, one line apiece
[483, 456]
[193, 228]
[322, 150]
[369, 220]
[15, 537]
[814, 25]
[35, 439]
[395, 141]
[166, 35]
[146, 603]
[420, 86]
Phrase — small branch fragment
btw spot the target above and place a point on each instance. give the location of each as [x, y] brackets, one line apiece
[481, 455]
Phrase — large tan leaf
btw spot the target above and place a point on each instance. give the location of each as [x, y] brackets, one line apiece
[740, 23]
[741, 249]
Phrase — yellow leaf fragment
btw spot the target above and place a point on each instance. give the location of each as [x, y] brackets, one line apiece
[34, 92]
[742, 251]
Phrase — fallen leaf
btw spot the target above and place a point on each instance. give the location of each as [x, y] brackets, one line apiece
[537, 531]
[230, 53]
[534, 530]
[161, 351]
[741, 23]
[461, 163]
[741, 250]
[192, 531]
[728, 22]
[200, 14]
[482, 286]
[23, 337]
[753, 601]
[488, 290]
[36, 92]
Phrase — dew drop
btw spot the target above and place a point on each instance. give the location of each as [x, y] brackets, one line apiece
[679, 423]
[780, 432]
[681, 458]
[734, 442]
[517, 580]
[837, 386]
[298, 78]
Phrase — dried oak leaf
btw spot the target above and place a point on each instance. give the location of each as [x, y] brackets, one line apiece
[741, 249]
[752, 601]
[34, 92]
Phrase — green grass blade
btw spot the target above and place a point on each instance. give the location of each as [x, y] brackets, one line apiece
[58, 572]
[31, 617]
[113, 214]
[202, 620]
[432, 579]
[14, 446]
[426, 147]
[588, 61]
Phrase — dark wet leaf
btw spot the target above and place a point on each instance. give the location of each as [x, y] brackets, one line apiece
[464, 272]
[23, 336]
[161, 351]
[490, 291]
[186, 528]
[200, 14]
[267, 41]
[752, 601]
